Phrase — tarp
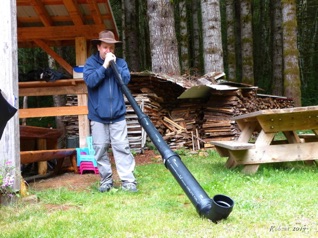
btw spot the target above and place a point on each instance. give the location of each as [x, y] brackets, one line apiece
[6, 112]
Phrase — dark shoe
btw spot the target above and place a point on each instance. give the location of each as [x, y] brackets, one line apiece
[105, 187]
[129, 187]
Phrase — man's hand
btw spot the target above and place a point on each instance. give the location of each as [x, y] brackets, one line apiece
[108, 58]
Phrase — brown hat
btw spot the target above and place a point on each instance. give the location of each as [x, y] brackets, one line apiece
[107, 37]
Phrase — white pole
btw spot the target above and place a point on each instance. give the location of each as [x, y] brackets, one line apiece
[10, 141]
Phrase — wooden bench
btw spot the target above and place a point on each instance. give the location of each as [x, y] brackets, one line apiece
[40, 145]
[265, 125]
[233, 145]
[27, 157]
[226, 149]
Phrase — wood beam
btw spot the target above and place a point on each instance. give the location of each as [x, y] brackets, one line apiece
[44, 155]
[52, 111]
[42, 13]
[93, 7]
[59, 87]
[80, 50]
[83, 122]
[55, 56]
[59, 32]
[54, 2]
[74, 12]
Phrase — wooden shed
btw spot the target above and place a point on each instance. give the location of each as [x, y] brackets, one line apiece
[44, 24]
[62, 23]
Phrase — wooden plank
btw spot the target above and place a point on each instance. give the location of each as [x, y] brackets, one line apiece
[59, 32]
[166, 119]
[278, 153]
[233, 145]
[59, 83]
[74, 11]
[42, 165]
[250, 168]
[42, 13]
[264, 138]
[289, 121]
[251, 116]
[80, 50]
[247, 131]
[59, 87]
[54, 55]
[52, 111]
[27, 157]
[83, 122]
[292, 137]
[39, 132]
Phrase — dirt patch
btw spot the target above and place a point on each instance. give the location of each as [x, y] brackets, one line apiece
[81, 182]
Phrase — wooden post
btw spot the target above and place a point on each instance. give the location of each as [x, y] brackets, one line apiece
[10, 143]
[42, 165]
[83, 122]
[80, 50]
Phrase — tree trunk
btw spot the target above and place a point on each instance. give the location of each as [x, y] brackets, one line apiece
[247, 42]
[277, 85]
[195, 40]
[212, 37]
[163, 41]
[291, 67]
[230, 42]
[183, 36]
[130, 27]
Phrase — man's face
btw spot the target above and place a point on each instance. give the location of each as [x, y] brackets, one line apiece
[105, 48]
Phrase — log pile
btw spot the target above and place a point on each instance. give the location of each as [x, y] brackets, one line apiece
[199, 123]
[71, 122]
[152, 107]
[149, 104]
[223, 105]
[188, 123]
[183, 124]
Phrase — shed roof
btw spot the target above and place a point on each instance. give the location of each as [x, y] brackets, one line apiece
[59, 22]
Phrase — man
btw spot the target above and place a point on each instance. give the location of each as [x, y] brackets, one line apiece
[106, 111]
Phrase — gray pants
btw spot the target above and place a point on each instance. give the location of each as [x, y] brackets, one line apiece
[114, 134]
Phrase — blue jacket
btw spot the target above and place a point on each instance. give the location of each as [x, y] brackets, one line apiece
[105, 100]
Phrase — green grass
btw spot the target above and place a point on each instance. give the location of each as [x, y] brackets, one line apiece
[280, 200]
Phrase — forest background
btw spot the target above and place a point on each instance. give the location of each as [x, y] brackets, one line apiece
[269, 43]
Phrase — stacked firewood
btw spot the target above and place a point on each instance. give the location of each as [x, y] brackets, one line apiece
[223, 105]
[149, 105]
[183, 124]
[152, 107]
[194, 124]
[71, 122]
[189, 123]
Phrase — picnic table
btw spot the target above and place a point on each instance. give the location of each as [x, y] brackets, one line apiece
[256, 144]
[40, 145]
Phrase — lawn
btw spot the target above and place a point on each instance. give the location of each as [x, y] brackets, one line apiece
[278, 201]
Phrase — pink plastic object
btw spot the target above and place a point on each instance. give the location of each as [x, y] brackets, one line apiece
[87, 166]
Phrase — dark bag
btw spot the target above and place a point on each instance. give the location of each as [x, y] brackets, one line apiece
[6, 112]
